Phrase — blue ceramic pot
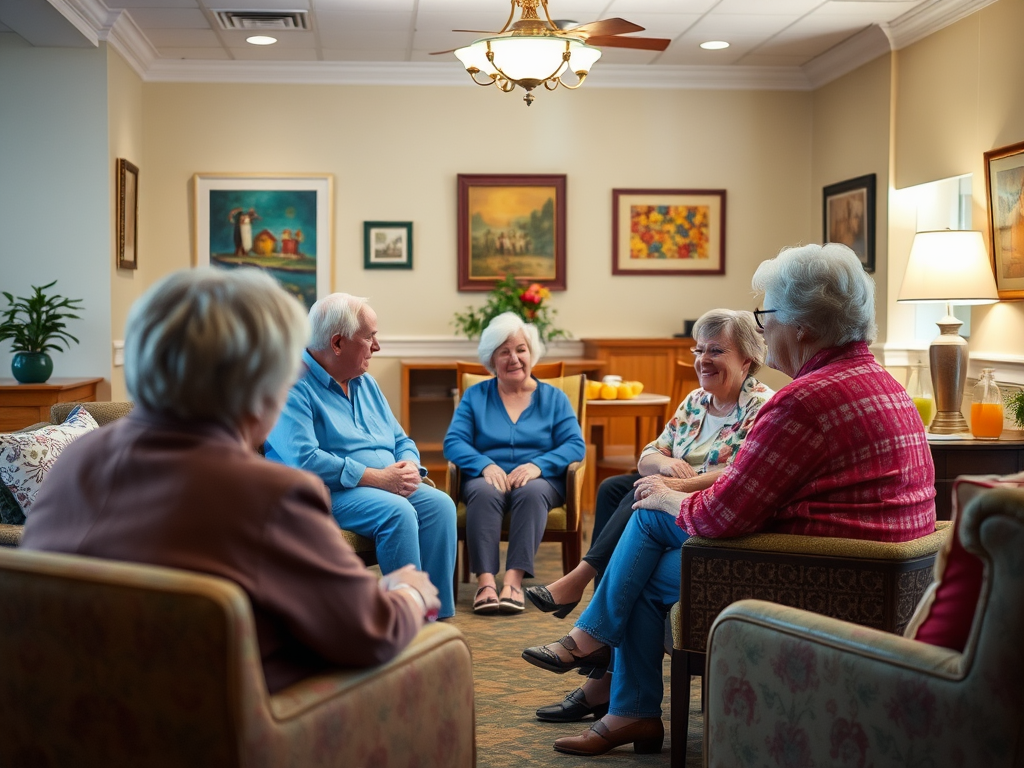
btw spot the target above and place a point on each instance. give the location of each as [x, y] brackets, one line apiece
[31, 367]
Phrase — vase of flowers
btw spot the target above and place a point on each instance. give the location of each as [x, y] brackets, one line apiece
[509, 295]
[36, 326]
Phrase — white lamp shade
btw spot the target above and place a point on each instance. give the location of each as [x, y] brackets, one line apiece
[529, 58]
[583, 57]
[475, 57]
[949, 265]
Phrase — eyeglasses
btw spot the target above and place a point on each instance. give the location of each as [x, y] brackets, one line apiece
[758, 313]
[712, 353]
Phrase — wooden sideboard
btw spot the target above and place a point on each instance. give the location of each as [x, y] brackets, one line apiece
[953, 458]
[22, 405]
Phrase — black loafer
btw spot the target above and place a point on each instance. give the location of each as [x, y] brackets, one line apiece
[541, 597]
[541, 657]
[572, 709]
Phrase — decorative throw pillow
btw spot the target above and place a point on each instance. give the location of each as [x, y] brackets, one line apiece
[946, 612]
[26, 457]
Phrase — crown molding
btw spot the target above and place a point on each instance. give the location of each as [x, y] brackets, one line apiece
[129, 41]
[867, 45]
[80, 19]
[928, 18]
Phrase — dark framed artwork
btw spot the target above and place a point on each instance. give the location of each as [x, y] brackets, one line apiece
[848, 217]
[511, 224]
[1004, 179]
[387, 244]
[280, 223]
[668, 231]
[127, 214]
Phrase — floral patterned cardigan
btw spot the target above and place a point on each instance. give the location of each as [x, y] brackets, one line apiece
[683, 428]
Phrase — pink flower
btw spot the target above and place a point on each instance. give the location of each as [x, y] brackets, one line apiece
[796, 666]
[790, 746]
[740, 699]
[912, 708]
[849, 743]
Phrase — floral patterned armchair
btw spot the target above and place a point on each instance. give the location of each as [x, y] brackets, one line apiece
[107, 663]
[789, 687]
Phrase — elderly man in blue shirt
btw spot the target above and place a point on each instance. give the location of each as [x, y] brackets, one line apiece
[337, 425]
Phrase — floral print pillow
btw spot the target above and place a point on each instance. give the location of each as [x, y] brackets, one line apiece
[26, 457]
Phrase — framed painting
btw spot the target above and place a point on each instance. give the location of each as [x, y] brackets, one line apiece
[668, 231]
[511, 225]
[280, 223]
[1004, 178]
[127, 214]
[387, 245]
[848, 216]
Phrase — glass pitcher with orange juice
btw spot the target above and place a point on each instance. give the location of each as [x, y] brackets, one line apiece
[919, 388]
[987, 407]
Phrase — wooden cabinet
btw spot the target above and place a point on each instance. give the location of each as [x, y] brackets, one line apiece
[22, 405]
[651, 361]
[428, 402]
[971, 457]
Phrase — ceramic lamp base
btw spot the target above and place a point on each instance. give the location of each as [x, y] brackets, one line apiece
[31, 367]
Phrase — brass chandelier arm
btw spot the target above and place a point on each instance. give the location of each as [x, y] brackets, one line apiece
[581, 75]
[547, 15]
[508, 21]
[473, 72]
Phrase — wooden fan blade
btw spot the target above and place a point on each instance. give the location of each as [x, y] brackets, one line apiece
[640, 43]
[477, 31]
[607, 27]
[438, 53]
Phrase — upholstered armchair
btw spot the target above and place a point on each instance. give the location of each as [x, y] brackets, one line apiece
[783, 681]
[870, 583]
[108, 663]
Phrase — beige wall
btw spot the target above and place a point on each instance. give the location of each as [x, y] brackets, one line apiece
[958, 96]
[124, 109]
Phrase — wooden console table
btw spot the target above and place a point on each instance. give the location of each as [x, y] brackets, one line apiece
[953, 458]
[22, 405]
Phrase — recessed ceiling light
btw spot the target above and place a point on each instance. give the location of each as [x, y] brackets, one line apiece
[714, 45]
[261, 40]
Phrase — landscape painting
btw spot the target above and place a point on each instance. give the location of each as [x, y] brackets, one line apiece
[511, 225]
[278, 224]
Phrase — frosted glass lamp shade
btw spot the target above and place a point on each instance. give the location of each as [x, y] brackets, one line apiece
[949, 265]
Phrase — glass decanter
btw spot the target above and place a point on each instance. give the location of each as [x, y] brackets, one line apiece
[987, 407]
[919, 387]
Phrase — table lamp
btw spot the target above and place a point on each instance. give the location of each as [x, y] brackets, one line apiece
[951, 267]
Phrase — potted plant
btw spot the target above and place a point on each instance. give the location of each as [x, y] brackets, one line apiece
[1015, 404]
[509, 295]
[35, 326]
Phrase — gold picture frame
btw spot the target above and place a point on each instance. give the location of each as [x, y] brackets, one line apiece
[127, 214]
[1004, 180]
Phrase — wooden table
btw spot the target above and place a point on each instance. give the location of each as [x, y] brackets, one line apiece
[22, 405]
[953, 458]
[647, 410]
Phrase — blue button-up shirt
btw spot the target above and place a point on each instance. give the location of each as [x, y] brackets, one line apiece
[337, 436]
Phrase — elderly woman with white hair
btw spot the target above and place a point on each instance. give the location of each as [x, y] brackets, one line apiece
[209, 357]
[840, 451]
[513, 437]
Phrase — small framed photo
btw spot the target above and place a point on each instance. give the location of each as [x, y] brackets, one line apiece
[280, 223]
[387, 244]
[511, 225]
[127, 214]
[668, 231]
[848, 216]
[1004, 178]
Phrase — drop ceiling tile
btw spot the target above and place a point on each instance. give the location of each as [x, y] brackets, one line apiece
[692, 55]
[623, 56]
[200, 54]
[370, 22]
[765, 60]
[346, 54]
[169, 18]
[366, 6]
[441, 41]
[876, 12]
[129, 4]
[363, 40]
[663, 24]
[625, 7]
[436, 22]
[794, 8]
[271, 53]
[713, 27]
[286, 39]
[807, 40]
[256, 5]
[182, 38]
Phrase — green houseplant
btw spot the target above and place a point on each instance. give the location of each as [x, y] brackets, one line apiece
[35, 325]
[509, 295]
[1015, 405]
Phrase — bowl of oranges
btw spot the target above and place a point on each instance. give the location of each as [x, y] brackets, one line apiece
[613, 388]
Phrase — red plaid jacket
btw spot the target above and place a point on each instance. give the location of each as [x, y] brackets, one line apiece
[841, 451]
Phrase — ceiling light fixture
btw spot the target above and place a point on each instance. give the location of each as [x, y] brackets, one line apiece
[261, 40]
[533, 52]
[714, 45]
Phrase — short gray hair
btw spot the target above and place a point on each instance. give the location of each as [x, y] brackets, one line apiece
[501, 329]
[213, 344]
[337, 313]
[821, 287]
[739, 326]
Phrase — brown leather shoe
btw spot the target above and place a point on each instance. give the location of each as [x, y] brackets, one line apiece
[647, 735]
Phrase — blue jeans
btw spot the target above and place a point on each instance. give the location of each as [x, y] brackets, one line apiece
[629, 607]
[419, 529]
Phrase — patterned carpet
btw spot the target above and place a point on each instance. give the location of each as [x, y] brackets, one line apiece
[508, 690]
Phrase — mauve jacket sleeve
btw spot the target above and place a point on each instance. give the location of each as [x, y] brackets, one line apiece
[313, 580]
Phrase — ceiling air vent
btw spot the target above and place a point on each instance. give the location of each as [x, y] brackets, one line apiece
[260, 21]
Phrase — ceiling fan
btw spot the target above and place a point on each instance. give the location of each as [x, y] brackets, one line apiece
[535, 51]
